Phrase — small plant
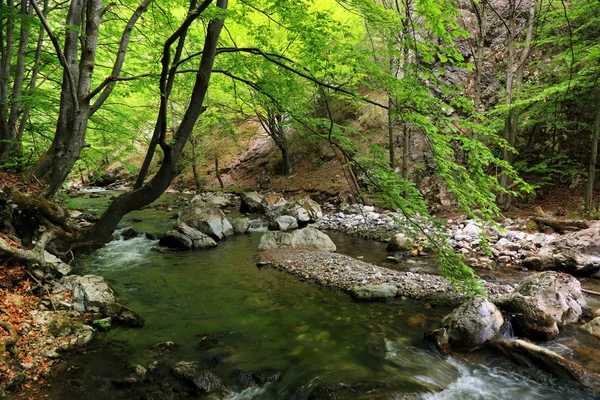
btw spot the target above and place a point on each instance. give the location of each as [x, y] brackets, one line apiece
[102, 324]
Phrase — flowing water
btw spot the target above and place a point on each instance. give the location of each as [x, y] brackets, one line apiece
[266, 323]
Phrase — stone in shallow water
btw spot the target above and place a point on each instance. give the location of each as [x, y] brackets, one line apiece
[374, 292]
[592, 327]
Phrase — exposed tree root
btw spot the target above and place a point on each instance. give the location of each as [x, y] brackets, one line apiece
[37, 255]
[11, 339]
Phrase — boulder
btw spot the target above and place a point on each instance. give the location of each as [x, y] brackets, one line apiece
[533, 356]
[592, 327]
[216, 199]
[471, 324]
[183, 237]
[374, 292]
[305, 238]
[472, 229]
[240, 225]
[400, 242]
[209, 220]
[544, 303]
[283, 223]
[203, 382]
[252, 202]
[92, 293]
[304, 210]
[575, 252]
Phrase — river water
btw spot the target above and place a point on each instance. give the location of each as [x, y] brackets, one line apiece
[263, 322]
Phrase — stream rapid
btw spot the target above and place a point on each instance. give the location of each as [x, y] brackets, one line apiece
[266, 323]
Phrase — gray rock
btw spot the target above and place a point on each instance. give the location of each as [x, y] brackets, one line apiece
[308, 238]
[216, 199]
[472, 229]
[545, 302]
[90, 292]
[240, 225]
[592, 327]
[576, 251]
[209, 220]
[400, 242]
[374, 292]
[284, 223]
[531, 355]
[304, 210]
[204, 382]
[596, 313]
[473, 323]
[184, 237]
[252, 202]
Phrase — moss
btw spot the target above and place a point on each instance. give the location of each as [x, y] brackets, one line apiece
[62, 325]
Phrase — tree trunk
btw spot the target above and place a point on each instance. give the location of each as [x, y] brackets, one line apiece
[7, 47]
[589, 191]
[218, 173]
[101, 232]
[514, 79]
[405, 151]
[391, 139]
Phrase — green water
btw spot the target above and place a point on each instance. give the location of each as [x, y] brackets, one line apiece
[268, 322]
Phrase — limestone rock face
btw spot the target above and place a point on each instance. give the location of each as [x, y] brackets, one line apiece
[545, 302]
[209, 220]
[473, 323]
[577, 251]
[304, 238]
[183, 237]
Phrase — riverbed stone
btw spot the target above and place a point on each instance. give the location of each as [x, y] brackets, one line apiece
[203, 382]
[400, 242]
[473, 323]
[374, 292]
[575, 252]
[283, 223]
[304, 210]
[240, 225]
[252, 202]
[209, 220]
[184, 237]
[309, 238]
[592, 327]
[530, 355]
[544, 303]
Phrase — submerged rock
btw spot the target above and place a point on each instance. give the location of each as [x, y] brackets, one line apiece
[309, 238]
[531, 355]
[544, 303]
[374, 292]
[473, 323]
[203, 382]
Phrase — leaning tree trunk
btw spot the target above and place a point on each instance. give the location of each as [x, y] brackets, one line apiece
[101, 232]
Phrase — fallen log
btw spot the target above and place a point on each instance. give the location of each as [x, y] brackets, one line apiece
[561, 225]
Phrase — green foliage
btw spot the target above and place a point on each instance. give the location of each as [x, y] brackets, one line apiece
[102, 324]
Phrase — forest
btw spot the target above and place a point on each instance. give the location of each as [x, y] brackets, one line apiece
[299, 199]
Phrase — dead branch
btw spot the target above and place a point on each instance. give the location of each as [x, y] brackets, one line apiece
[11, 339]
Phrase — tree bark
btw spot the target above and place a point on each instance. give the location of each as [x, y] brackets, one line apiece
[589, 191]
[218, 173]
[101, 232]
[7, 43]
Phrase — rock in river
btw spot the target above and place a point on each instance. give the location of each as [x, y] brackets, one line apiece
[209, 220]
[183, 237]
[544, 303]
[473, 323]
[374, 292]
[308, 238]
